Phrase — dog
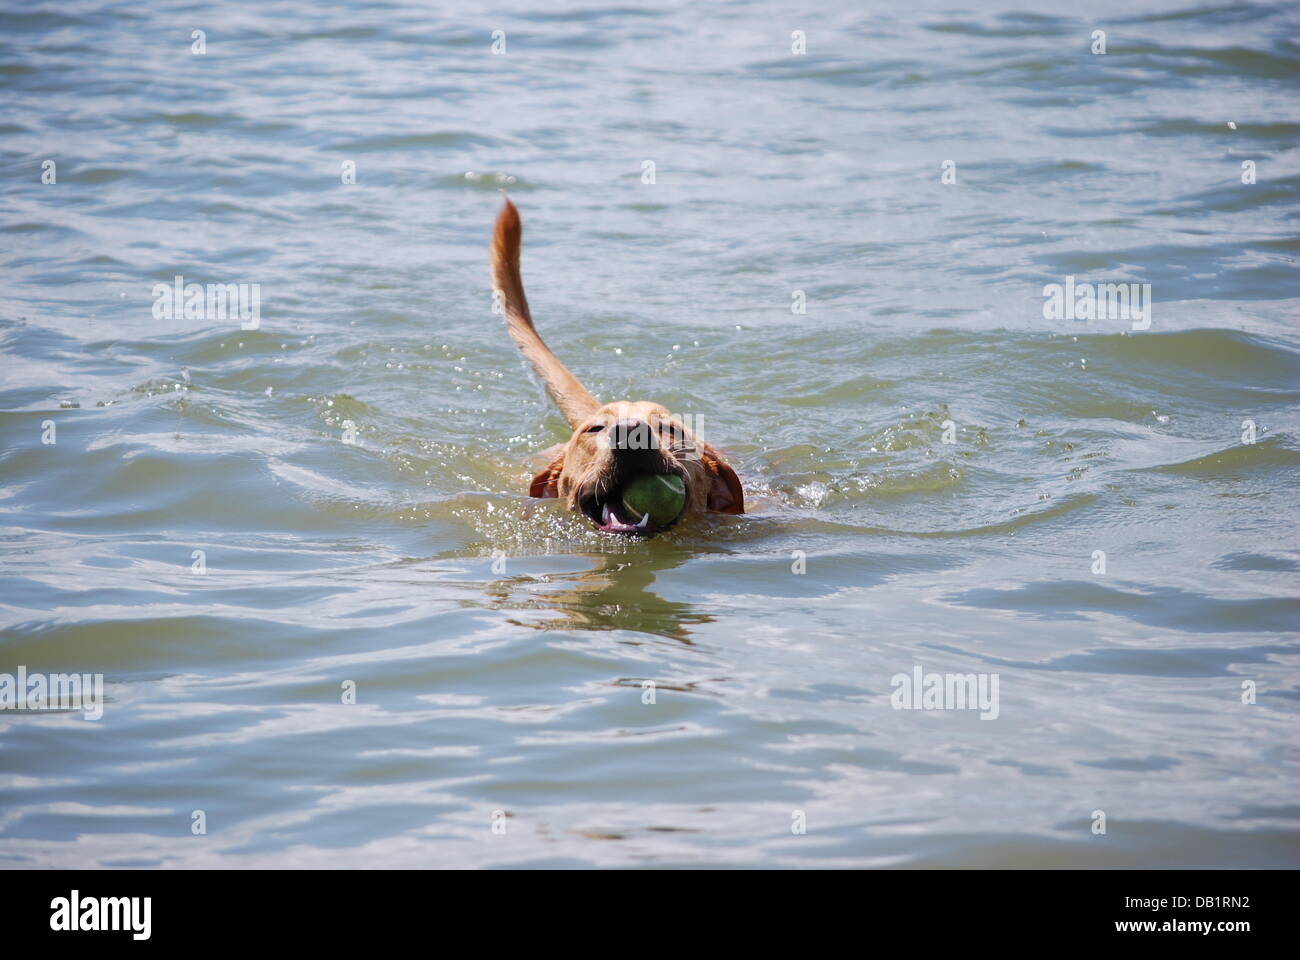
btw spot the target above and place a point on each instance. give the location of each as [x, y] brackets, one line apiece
[611, 442]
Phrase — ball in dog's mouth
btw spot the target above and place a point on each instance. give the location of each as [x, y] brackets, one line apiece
[642, 504]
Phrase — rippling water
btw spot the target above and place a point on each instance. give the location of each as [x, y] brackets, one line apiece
[499, 649]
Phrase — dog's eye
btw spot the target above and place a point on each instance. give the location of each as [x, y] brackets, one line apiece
[595, 428]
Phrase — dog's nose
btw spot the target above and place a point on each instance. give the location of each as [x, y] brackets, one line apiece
[632, 434]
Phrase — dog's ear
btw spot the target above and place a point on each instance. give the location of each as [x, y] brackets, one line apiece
[725, 494]
[546, 484]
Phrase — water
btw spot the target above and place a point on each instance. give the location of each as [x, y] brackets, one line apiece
[514, 695]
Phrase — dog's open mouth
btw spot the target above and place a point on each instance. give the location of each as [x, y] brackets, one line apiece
[609, 514]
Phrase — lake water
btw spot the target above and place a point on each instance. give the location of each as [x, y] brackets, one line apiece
[1102, 513]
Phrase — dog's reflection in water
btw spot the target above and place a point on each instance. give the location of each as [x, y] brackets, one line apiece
[615, 594]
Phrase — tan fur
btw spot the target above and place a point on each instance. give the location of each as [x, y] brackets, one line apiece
[609, 442]
[569, 395]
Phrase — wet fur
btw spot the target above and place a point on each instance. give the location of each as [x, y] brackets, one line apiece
[600, 454]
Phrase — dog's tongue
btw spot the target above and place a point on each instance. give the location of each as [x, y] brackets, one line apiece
[614, 521]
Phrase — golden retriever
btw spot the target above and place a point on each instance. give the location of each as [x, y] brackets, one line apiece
[610, 442]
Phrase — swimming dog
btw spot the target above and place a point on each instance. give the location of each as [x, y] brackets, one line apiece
[611, 442]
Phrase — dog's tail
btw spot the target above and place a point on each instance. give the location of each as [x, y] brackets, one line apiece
[569, 395]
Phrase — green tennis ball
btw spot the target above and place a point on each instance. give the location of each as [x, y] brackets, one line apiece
[660, 495]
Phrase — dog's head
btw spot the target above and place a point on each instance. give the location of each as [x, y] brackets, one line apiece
[620, 440]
